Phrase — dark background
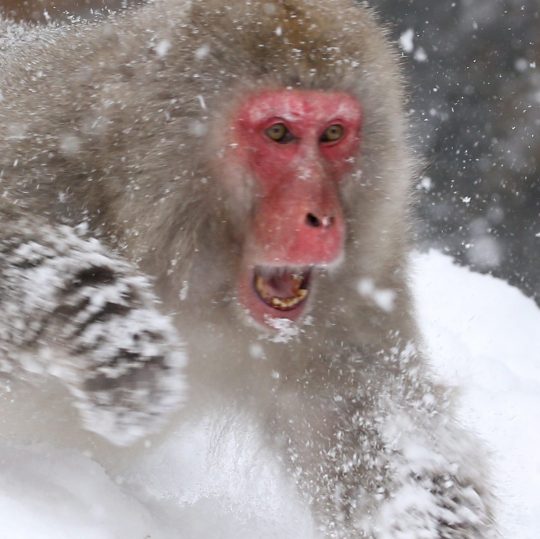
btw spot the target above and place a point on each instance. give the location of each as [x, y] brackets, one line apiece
[475, 102]
[474, 72]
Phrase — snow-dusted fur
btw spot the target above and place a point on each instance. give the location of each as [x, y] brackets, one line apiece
[71, 309]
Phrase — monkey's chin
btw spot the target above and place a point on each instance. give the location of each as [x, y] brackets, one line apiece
[271, 293]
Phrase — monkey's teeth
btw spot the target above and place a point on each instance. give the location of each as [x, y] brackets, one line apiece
[280, 288]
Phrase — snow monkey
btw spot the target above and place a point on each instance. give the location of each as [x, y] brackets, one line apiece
[230, 182]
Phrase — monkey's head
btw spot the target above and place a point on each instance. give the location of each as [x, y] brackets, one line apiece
[308, 149]
[282, 161]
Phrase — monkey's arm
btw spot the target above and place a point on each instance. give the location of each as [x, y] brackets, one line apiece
[391, 462]
[439, 486]
[71, 309]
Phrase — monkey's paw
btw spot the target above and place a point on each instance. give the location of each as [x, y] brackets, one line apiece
[90, 319]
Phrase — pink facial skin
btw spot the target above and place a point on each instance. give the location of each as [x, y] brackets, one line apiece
[298, 219]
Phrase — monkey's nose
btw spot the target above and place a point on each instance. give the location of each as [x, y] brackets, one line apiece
[316, 221]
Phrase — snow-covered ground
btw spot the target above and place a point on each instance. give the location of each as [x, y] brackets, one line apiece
[484, 337]
[215, 480]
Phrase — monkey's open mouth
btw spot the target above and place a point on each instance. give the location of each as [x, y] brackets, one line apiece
[282, 288]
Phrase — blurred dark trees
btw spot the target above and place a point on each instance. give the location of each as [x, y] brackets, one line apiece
[474, 72]
[475, 101]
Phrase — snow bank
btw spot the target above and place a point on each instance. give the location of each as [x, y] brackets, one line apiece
[214, 479]
[484, 337]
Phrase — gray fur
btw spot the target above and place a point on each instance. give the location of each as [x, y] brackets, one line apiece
[120, 126]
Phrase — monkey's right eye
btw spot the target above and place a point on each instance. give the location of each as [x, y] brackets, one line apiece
[279, 133]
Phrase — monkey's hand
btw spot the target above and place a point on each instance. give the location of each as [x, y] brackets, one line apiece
[439, 487]
[71, 309]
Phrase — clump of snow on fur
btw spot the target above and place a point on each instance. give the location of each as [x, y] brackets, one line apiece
[162, 48]
[384, 298]
[285, 329]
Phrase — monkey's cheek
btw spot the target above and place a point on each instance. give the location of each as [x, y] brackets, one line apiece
[259, 310]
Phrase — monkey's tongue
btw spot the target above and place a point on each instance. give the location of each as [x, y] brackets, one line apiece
[281, 288]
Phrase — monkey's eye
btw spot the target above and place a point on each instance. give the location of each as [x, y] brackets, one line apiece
[333, 133]
[279, 133]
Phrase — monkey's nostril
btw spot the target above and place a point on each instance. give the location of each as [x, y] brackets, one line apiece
[315, 222]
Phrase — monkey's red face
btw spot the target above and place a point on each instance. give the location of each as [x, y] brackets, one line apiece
[297, 147]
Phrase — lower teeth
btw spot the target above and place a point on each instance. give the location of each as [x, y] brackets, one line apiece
[287, 303]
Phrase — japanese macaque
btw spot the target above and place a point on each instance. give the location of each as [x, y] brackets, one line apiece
[223, 180]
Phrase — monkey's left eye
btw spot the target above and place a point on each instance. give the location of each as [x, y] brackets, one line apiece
[333, 133]
[279, 133]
